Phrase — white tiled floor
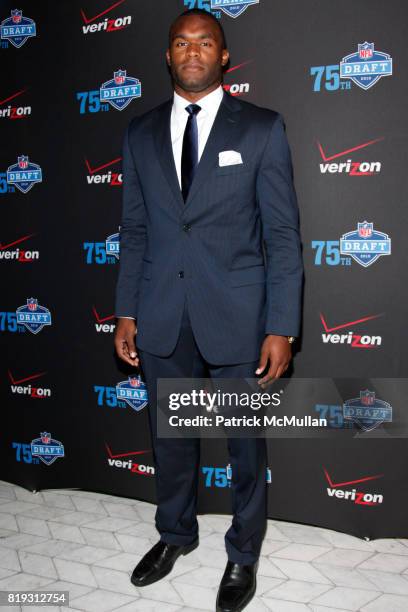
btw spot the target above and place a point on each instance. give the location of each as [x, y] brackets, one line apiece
[88, 544]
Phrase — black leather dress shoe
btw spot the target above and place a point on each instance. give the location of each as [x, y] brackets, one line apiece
[158, 562]
[237, 587]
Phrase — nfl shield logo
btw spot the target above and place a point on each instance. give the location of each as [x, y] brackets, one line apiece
[133, 391]
[16, 15]
[121, 90]
[23, 162]
[33, 316]
[366, 50]
[365, 244]
[367, 397]
[24, 181]
[47, 449]
[232, 8]
[17, 28]
[367, 411]
[365, 229]
[119, 77]
[366, 66]
[32, 304]
[112, 245]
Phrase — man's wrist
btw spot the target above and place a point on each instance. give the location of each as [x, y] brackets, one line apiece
[290, 339]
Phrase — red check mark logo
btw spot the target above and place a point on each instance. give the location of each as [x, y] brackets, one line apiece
[26, 379]
[334, 485]
[101, 319]
[98, 168]
[328, 329]
[3, 247]
[347, 151]
[238, 66]
[130, 454]
[110, 8]
[12, 97]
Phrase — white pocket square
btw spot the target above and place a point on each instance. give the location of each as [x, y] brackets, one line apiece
[229, 158]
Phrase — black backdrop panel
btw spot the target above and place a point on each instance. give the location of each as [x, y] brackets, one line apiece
[348, 139]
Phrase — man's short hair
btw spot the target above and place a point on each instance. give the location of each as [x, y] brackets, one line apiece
[203, 13]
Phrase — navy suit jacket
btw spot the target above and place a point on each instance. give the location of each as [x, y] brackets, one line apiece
[232, 250]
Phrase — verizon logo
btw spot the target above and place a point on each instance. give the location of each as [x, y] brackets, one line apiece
[118, 461]
[18, 254]
[350, 338]
[17, 388]
[359, 498]
[113, 179]
[92, 25]
[350, 167]
[14, 112]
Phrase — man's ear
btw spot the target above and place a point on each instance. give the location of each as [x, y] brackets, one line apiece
[168, 57]
[225, 57]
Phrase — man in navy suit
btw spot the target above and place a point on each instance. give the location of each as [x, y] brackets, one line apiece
[210, 281]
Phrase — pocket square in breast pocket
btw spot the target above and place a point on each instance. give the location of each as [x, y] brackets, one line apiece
[229, 158]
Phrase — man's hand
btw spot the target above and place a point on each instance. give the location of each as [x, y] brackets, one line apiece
[278, 351]
[125, 341]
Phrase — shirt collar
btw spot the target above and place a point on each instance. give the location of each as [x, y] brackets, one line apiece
[209, 103]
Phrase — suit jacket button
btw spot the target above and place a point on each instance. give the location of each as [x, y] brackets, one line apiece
[181, 274]
[186, 227]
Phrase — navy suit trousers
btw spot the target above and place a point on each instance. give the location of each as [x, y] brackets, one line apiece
[177, 459]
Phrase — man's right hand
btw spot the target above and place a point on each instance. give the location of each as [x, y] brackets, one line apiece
[125, 346]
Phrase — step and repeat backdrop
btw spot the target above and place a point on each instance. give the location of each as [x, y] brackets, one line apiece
[74, 74]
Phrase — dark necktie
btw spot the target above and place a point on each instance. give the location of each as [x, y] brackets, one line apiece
[189, 156]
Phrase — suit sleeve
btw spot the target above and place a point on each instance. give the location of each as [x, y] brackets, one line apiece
[132, 237]
[280, 222]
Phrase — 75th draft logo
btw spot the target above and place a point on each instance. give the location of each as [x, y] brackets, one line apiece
[107, 252]
[364, 244]
[132, 392]
[33, 316]
[365, 67]
[17, 29]
[117, 92]
[44, 449]
[24, 174]
[221, 477]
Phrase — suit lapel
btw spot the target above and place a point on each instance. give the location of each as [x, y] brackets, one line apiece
[164, 149]
[223, 129]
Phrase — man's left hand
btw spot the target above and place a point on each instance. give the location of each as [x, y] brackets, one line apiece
[277, 350]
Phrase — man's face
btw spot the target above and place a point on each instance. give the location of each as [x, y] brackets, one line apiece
[196, 55]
